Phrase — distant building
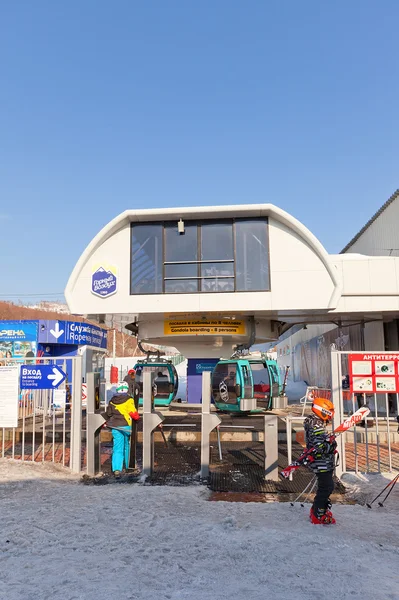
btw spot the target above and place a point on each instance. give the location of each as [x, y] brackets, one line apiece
[307, 349]
[49, 306]
[380, 235]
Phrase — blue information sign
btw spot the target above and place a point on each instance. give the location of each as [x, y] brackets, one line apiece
[41, 377]
[72, 332]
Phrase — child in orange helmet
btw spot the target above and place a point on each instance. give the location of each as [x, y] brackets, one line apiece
[323, 458]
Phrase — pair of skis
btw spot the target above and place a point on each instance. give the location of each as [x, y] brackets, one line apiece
[308, 455]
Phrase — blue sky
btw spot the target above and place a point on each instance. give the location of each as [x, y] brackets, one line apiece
[106, 106]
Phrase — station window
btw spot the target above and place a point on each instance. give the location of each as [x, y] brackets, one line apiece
[207, 256]
[181, 259]
[147, 259]
[252, 255]
[217, 257]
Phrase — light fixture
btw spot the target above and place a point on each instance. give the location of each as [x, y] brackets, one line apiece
[180, 227]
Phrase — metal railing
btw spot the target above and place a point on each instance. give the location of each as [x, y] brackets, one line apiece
[45, 416]
[313, 391]
[373, 445]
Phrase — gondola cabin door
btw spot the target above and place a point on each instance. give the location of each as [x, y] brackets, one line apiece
[232, 386]
[166, 381]
[242, 385]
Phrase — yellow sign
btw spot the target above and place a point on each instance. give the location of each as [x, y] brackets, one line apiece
[204, 327]
[219, 316]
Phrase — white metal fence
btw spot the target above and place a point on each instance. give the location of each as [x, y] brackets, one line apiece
[49, 420]
[372, 446]
[50, 429]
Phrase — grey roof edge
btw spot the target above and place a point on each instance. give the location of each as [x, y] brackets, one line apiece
[370, 221]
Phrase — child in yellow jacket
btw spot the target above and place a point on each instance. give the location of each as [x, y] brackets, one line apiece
[118, 416]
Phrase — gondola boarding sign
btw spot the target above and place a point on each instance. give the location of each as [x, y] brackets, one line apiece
[204, 326]
[41, 377]
[373, 372]
[9, 395]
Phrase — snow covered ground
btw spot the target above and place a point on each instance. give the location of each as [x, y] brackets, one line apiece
[60, 539]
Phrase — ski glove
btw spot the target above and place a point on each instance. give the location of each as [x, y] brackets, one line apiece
[135, 416]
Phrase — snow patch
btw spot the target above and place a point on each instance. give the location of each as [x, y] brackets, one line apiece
[364, 487]
[68, 541]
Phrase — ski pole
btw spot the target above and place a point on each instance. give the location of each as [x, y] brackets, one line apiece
[310, 491]
[303, 491]
[393, 481]
[287, 368]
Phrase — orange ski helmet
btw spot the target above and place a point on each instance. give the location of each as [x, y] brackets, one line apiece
[323, 408]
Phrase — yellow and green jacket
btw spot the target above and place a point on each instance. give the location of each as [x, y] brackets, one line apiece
[117, 413]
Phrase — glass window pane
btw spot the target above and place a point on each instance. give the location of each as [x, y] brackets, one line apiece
[217, 285]
[181, 286]
[180, 247]
[162, 384]
[217, 241]
[181, 271]
[252, 255]
[217, 269]
[247, 381]
[224, 383]
[146, 259]
[261, 380]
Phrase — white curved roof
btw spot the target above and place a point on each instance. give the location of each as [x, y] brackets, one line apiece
[93, 253]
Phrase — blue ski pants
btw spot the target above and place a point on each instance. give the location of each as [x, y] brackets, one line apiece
[121, 448]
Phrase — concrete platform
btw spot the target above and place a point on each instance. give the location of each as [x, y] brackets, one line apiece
[240, 471]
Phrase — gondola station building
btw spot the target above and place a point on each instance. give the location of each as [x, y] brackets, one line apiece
[208, 279]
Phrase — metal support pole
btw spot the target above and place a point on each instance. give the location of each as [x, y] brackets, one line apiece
[76, 417]
[94, 421]
[219, 444]
[208, 423]
[151, 420]
[271, 447]
[288, 429]
[336, 395]
[133, 446]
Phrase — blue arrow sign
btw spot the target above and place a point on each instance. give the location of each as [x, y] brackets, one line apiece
[71, 332]
[41, 377]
